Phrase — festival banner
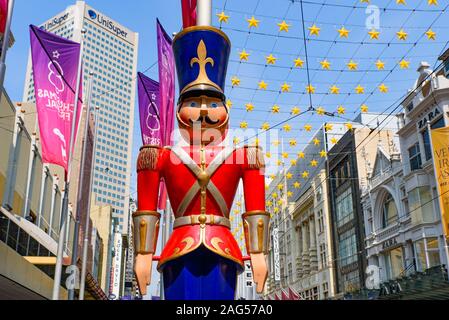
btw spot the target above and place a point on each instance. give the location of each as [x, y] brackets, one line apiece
[150, 121]
[188, 13]
[3, 15]
[440, 142]
[55, 67]
[166, 93]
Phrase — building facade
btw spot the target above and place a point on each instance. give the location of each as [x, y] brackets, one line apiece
[111, 54]
[349, 163]
[297, 199]
[404, 237]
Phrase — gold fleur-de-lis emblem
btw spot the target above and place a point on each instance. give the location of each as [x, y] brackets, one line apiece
[202, 60]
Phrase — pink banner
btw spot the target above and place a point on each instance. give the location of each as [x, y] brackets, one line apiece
[166, 93]
[55, 67]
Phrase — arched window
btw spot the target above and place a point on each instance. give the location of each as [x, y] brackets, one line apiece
[389, 211]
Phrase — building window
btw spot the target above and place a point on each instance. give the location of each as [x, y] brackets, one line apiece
[289, 245]
[421, 207]
[394, 263]
[320, 221]
[345, 210]
[427, 258]
[389, 211]
[323, 256]
[414, 155]
[347, 247]
[290, 272]
[325, 290]
[426, 138]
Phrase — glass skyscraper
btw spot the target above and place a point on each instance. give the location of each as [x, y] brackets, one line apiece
[110, 52]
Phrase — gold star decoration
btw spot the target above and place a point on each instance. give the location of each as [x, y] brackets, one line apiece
[276, 143]
[265, 126]
[243, 125]
[364, 1]
[301, 155]
[285, 155]
[310, 89]
[253, 22]
[383, 88]
[289, 194]
[274, 195]
[323, 154]
[293, 162]
[341, 110]
[404, 64]
[295, 111]
[235, 81]
[298, 63]
[222, 17]
[229, 104]
[293, 142]
[400, 2]
[283, 26]
[380, 65]
[263, 85]
[316, 141]
[343, 33]
[328, 127]
[402, 35]
[364, 108]
[275, 109]
[334, 89]
[249, 107]
[287, 128]
[280, 187]
[431, 35]
[374, 34]
[325, 65]
[334, 140]
[314, 163]
[320, 111]
[349, 126]
[432, 2]
[305, 174]
[268, 155]
[359, 89]
[236, 140]
[352, 65]
[314, 30]
[285, 87]
[297, 185]
[308, 127]
[271, 59]
[289, 176]
[244, 56]
[279, 163]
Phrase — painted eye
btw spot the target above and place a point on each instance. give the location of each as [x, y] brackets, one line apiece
[214, 105]
[193, 104]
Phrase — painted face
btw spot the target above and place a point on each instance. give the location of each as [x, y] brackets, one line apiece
[206, 113]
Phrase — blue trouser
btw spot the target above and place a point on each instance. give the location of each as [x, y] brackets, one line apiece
[200, 275]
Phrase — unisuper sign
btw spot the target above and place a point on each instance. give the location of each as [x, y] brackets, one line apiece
[56, 21]
[107, 23]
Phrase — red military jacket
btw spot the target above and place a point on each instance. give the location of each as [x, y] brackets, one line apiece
[177, 167]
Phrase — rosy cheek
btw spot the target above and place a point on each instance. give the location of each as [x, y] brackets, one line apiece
[186, 114]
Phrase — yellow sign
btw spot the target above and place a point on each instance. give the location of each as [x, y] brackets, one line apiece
[440, 142]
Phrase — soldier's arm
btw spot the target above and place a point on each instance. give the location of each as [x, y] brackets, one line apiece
[146, 218]
[256, 220]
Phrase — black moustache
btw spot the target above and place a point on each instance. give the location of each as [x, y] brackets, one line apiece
[205, 119]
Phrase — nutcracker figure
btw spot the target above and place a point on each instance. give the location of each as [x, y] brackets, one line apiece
[201, 260]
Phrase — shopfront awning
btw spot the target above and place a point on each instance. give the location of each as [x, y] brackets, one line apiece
[37, 234]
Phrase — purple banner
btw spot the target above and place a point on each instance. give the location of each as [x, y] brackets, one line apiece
[150, 122]
[166, 83]
[55, 67]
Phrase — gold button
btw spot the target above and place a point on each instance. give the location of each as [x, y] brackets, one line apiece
[202, 219]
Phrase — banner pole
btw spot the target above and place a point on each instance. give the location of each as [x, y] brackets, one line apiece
[89, 202]
[446, 249]
[81, 186]
[65, 201]
[5, 44]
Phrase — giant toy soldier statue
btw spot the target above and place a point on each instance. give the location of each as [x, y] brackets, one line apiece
[202, 259]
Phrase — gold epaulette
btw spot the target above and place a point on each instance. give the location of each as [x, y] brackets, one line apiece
[148, 158]
[255, 157]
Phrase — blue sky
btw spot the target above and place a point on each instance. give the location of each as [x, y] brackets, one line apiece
[140, 16]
